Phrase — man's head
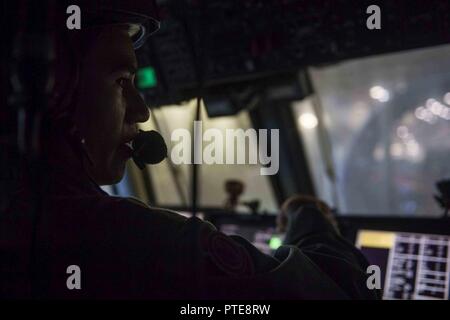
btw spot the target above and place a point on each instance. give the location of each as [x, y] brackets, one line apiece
[94, 89]
[294, 203]
[108, 106]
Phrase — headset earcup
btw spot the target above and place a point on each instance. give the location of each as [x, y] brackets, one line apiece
[67, 74]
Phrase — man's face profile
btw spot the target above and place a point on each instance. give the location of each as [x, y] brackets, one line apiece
[108, 105]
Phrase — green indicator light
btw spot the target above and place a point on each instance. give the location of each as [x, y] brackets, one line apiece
[274, 243]
[146, 78]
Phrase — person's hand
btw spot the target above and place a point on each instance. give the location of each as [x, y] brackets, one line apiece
[290, 210]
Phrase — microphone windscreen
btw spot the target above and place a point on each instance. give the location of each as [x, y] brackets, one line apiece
[149, 148]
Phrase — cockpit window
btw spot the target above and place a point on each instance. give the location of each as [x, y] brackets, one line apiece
[173, 181]
[377, 133]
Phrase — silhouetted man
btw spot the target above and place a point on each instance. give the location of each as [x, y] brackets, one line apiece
[124, 248]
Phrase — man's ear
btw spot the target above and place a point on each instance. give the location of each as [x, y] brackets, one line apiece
[65, 125]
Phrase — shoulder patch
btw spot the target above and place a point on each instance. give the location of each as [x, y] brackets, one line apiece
[227, 255]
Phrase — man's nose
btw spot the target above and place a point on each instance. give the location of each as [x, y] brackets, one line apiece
[137, 109]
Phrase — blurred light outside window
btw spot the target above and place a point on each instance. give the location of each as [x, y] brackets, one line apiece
[385, 123]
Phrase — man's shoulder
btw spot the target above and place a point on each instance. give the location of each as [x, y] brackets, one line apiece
[134, 206]
[103, 217]
[113, 207]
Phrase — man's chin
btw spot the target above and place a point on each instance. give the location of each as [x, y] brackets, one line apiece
[110, 177]
[109, 181]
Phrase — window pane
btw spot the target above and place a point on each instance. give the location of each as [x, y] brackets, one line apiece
[212, 177]
[388, 121]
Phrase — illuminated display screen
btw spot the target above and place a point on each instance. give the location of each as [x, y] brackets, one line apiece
[413, 265]
[265, 239]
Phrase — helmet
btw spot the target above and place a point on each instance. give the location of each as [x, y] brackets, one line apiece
[139, 15]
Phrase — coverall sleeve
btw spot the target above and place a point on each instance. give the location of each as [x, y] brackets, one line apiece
[317, 265]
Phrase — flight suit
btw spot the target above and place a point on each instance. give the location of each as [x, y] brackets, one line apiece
[127, 250]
